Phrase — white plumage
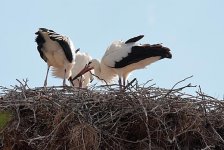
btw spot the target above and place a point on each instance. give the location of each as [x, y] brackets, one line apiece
[121, 58]
[57, 51]
[81, 60]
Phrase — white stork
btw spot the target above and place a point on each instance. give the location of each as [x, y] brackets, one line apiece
[81, 60]
[121, 58]
[56, 50]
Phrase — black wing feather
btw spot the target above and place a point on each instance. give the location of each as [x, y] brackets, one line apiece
[77, 50]
[142, 52]
[40, 41]
[63, 41]
[134, 39]
[66, 47]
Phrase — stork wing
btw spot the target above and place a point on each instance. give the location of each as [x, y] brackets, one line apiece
[115, 53]
[40, 41]
[134, 39]
[141, 52]
[64, 42]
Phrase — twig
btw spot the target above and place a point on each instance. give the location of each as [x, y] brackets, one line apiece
[151, 117]
[18, 115]
[176, 85]
[129, 84]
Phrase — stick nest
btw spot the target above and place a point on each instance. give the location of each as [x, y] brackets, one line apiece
[57, 118]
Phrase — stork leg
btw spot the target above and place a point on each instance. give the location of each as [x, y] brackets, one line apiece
[64, 79]
[80, 82]
[124, 82]
[123, 85]
[119, 82]
[45, 81]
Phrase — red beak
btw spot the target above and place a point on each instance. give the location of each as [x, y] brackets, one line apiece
[83, 71]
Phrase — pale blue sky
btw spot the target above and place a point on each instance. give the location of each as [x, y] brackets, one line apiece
[193, 30]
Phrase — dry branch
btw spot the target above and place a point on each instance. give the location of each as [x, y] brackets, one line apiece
[104, 118]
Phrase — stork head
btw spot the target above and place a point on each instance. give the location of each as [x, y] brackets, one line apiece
[87, 68]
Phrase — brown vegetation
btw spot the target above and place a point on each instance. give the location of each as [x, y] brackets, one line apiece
[103, 118]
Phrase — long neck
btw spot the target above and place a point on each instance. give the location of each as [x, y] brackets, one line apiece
[103, 72]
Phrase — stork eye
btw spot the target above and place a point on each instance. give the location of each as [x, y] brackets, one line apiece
[89, 63]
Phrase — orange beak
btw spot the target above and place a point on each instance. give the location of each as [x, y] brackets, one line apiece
[83, 71]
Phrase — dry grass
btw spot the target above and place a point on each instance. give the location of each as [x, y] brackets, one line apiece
[59, 118]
